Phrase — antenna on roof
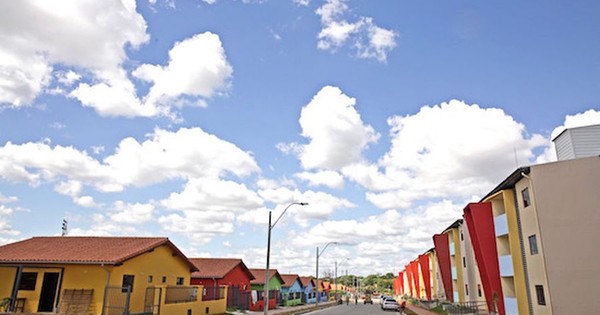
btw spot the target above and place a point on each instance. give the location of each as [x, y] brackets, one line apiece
[65, 229]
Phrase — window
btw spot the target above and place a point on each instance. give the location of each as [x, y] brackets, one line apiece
[461, 236]
[464, 263]
[164, 279]
[479, 290]
[539, 291]
[127, 283]
[150, 279]
[533, 249]
[28, 280]
[179, 280]
[526, 199]
[466, 289]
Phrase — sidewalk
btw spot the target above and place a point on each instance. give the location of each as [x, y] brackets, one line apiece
[290, 310]
[419, 311]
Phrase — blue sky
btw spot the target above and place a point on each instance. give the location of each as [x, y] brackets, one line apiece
[194, 119]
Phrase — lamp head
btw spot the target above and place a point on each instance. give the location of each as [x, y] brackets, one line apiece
[303, 203]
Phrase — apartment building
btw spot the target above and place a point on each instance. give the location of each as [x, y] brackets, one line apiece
[545, 223]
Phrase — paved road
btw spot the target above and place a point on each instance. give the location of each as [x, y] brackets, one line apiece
[354, 309]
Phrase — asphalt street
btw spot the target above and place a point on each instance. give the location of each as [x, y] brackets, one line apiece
[354, 309]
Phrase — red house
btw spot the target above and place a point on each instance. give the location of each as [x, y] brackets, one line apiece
[231, 272]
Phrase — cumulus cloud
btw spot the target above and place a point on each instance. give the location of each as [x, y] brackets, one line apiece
[197, 68]
[198, 226]
[184, 154]
[132, 213]
[330, 179]
[449, 150]
[369, 40]
[6, 230]
[410, 230]
[90, 40]
[320, 206]
[587, 118]
[102, 32]
[335, 130]
[215, 195]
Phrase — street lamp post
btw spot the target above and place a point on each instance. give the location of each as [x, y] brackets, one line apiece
[335, 279]
[317, 272]
[266, 289]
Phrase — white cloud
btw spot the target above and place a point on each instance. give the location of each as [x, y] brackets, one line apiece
[320, 206]
[302, 2]
[86, 34]
[330, 179]
[187, 153]
[198, 226]
[184, 154]
[445, 151]
[587, 118]
[92, 38]
[6, 214]
[369, 40]
[86, 202]
[335, 129]
[209, 194]
[410, 231]
[132, 213]
[379, 42]
[197, 67]
[4, 199]
[67, 77]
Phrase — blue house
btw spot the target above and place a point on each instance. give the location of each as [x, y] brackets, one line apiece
[291, 290]
[309, 296]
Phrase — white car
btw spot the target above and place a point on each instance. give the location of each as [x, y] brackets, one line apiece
[390, 304]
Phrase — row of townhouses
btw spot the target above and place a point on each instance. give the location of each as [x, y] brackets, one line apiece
[137, 275]
[530, 246]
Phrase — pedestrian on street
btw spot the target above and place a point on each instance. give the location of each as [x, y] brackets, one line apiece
[402, 307]
[347, 300]
[355, 299]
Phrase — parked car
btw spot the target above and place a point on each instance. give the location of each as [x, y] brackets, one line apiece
[390, 304]
[368, 299]
[383, 298]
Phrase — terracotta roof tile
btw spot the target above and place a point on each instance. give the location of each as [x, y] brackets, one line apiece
[82, 250]
[306, 281]
[259, 275]
[288, 280]
[217, 268]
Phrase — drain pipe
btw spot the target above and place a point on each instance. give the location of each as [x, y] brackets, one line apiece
[105, 287]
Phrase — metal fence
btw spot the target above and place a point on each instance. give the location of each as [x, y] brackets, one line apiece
[116, 300]
[152, 300]
[213, 293]
[238, 298]
[474, 308]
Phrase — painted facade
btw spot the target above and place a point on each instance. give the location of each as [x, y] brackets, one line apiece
[58, 273]
[525, 247]
[291, 290]
[229, 272]
[258, 285]
[308, 286]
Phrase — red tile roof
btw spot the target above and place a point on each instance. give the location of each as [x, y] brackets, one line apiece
[83, 250]
[288, 280]
[217, 268]
[259, 275]
[306, 280]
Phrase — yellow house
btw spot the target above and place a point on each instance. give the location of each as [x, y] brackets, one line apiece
[101, 275]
